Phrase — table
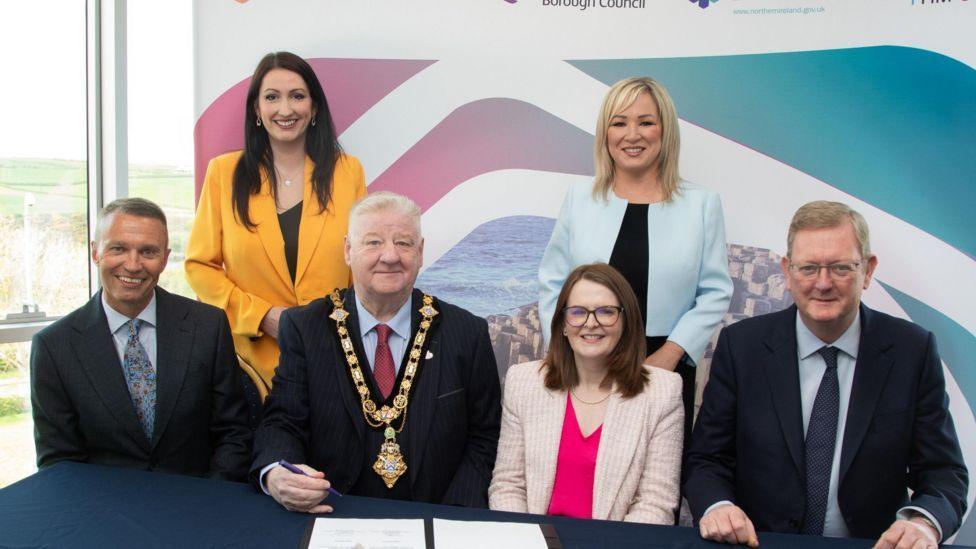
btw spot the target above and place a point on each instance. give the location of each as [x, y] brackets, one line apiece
[79, 506]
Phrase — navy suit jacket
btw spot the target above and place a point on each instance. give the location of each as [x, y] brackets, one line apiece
[748, 447]
[314, 416]
[83, 412]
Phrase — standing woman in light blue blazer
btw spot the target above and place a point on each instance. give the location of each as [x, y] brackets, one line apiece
[664, 234]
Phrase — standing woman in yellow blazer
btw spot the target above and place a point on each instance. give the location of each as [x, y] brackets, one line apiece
[269, 229]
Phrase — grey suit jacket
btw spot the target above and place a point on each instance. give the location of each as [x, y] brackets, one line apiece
[81, 405]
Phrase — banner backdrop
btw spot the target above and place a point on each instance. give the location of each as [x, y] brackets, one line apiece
[483, 111]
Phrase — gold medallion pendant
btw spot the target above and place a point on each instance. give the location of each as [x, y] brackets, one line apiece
[390, 464]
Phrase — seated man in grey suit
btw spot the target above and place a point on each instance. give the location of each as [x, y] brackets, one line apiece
[139, 377]
[827, 418]
[381, 389]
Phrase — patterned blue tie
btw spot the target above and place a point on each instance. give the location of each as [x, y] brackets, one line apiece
[820, 443]
[140, 377]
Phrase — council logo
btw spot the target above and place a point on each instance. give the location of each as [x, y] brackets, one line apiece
[703, 3]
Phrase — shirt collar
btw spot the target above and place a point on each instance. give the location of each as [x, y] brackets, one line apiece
[400, 323]
[116, 319]
[807, 343]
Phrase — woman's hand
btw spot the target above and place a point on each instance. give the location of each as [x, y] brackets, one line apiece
[667, 357]
[269, 324]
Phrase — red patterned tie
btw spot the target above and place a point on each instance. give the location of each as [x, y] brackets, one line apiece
[383, 370]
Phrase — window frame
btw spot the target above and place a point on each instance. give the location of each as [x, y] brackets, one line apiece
[107, 130]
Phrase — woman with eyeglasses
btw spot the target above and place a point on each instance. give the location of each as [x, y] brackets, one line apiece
[591, 431]
[664, 234]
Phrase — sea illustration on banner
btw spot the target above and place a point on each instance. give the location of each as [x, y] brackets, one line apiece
[489, 170]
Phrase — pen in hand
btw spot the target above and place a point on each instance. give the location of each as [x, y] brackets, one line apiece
[298, 471]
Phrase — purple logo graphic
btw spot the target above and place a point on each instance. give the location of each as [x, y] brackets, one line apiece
[701, 3]
[511, 1]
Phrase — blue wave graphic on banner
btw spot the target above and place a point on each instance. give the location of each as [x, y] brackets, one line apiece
[957, 347]
[893, 126]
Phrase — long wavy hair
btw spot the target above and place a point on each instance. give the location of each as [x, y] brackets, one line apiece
[625, 365]
[321, 142]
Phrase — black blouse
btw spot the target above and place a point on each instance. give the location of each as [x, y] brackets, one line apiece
[630, 253]
[289, 221]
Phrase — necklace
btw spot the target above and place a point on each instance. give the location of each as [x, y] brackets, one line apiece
[287, 180]
[389, 461]
[587, 401]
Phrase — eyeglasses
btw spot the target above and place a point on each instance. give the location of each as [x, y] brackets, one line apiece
[605, 316]
[838, 271]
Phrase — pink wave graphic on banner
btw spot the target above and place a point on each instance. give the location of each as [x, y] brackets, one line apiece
[352, 87]
[484, 136]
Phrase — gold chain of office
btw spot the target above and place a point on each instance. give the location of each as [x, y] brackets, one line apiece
[389, 464]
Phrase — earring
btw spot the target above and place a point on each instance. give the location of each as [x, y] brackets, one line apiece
[313, 121]
[258, 122]
[565, 333]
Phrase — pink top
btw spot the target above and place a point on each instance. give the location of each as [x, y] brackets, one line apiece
[572, 491]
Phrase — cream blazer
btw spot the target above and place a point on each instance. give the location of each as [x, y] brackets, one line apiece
[638, 462]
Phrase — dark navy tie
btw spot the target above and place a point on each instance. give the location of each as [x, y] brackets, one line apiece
[820, 443]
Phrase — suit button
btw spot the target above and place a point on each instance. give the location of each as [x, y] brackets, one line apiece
[794, 523]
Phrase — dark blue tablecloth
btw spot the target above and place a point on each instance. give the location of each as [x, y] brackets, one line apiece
[79, 506]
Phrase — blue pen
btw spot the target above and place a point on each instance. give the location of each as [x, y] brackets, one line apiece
[298, 471]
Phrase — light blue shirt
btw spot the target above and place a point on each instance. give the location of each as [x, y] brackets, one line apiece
[399, 335]
[120, 332]
[812, 368]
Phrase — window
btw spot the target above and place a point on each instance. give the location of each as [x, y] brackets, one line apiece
[160, 118]
[43, 196]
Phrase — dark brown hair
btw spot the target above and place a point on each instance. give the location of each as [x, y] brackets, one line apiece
[625, 365]
[321, 142]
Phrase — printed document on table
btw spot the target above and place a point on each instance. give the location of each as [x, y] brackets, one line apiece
[336, 533]
[461, 534]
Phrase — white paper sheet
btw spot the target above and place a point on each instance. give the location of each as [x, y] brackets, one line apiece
[459, 534]
[336, 533]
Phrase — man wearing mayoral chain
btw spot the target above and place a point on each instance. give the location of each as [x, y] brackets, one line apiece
[381, 389]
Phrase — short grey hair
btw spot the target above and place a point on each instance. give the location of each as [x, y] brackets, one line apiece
[384, 201]
[138, 207]
[822, 214]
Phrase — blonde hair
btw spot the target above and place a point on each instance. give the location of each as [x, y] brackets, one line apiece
[619, 97]
[822, 214]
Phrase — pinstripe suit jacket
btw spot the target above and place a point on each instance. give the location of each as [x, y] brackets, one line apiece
[638, 462]
[314, 416]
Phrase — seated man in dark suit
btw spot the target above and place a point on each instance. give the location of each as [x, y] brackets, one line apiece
[820, 418]
[381, 389]
[139, 377]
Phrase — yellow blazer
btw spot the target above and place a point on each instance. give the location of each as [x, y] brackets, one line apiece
[244, 271]
[638, 462]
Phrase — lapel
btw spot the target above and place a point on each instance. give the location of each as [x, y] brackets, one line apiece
[310, 228]
[870, 373]
[423, 396]
[339, 366]
[96, 352]
[264, 213]
[174, 343]
[549, 433]
[618, 444]
[783, 374]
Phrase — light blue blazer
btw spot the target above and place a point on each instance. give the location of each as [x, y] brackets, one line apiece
[688, 286]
